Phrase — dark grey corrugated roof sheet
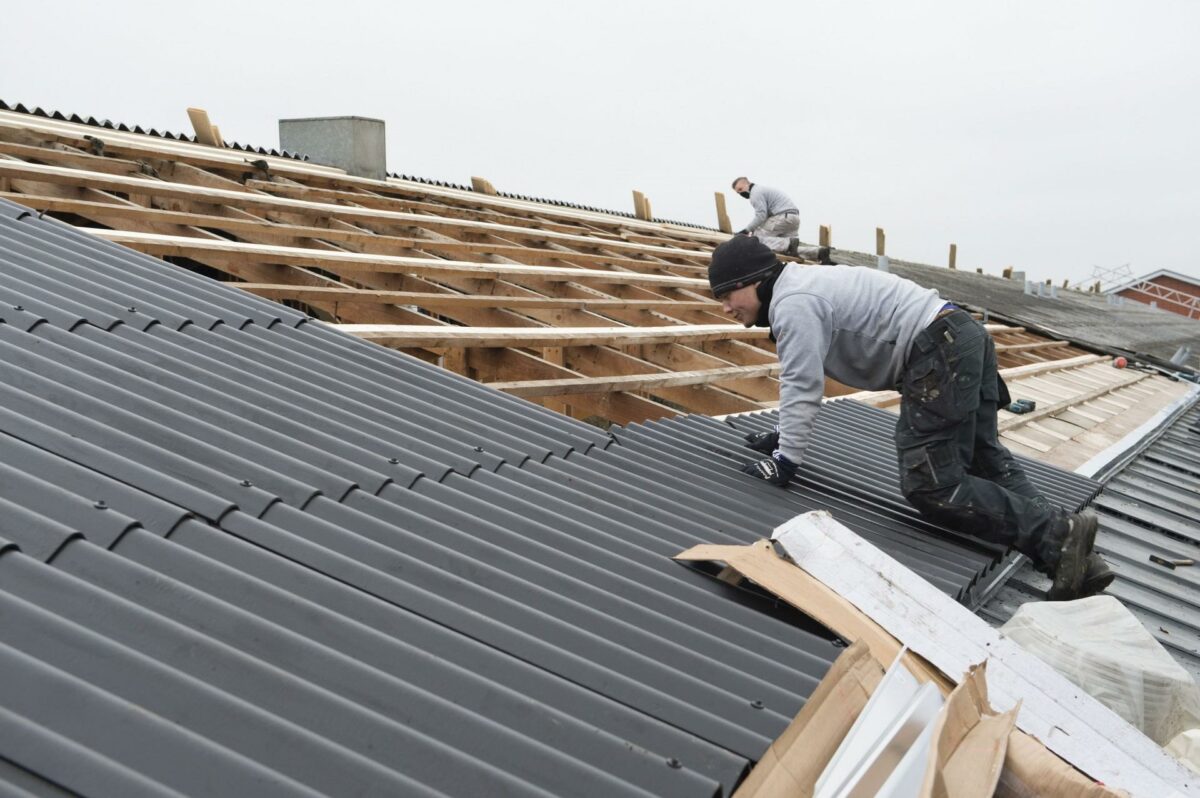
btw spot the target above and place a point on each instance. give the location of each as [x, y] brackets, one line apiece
[241, 553]
[851, 470]
[1151, 507]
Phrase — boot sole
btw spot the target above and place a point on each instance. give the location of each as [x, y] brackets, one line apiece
[1097, 584]
[1068, 576]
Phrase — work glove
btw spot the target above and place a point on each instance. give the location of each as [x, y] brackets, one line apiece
[765, 442]
[776, 469]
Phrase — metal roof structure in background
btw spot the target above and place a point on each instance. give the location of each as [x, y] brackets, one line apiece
[242, 553]
[1149, 508]
[1083, 318]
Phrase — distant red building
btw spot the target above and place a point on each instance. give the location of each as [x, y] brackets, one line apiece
[1169, 290]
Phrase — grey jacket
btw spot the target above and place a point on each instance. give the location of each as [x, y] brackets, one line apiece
[853, 324]
[768, 201]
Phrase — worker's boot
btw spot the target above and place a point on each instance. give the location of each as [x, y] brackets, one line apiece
[1077, 539]
[823, 257]
[793, 246]
[1096, 577]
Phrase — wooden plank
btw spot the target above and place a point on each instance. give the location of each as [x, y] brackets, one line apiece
[953, 264]
[405, 335]
[723, 223]
[185, 246]
[203, 127]
[641, 208]
[632, 382]
[248, 199]
[1030, 347]
[1049, 410]
[139, 145]
[890, 398]
[428, 300]
[482, 186]
[529, 256]
[825, 236]
[1065, 718]
[880, 241]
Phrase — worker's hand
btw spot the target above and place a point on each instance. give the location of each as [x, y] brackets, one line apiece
[743, 232]
[776, 469]
[765, 442]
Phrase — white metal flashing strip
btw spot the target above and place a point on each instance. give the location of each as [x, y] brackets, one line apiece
[1063, 716]
[1113, 453]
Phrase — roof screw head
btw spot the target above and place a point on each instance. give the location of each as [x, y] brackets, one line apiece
[245, 483]
[100, 504]
[756, 704]
[674, 763]
[133, 308]
[394, 460]
[479, 448]
[18, 308]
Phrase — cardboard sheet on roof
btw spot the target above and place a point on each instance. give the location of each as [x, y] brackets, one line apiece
[1030, 769]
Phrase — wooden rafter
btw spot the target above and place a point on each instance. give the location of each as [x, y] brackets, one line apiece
[609, 311]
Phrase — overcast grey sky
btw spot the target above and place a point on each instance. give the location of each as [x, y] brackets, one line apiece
[1052, 136]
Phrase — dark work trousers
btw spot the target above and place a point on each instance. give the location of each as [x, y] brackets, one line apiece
[953, 467]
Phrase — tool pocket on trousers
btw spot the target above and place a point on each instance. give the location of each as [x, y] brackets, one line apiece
[929, 467]
[929, 401]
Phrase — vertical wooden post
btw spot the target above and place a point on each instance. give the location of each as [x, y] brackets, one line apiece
[826, 235]
[880, 241]
[723, 223]
[954, 256]
[557, 356]
[1096, 287]
[979, 270]
[455, 359]
[1066, 283]
[481, 186]
[641, 206]
[1008, 272]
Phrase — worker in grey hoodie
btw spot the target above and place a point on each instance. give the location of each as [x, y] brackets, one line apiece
[873, 330]
[776, 221]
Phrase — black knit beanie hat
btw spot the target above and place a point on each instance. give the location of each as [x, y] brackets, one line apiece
[738, 262]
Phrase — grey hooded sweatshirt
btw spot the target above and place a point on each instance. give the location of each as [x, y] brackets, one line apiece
[768, 202]
[854, 324]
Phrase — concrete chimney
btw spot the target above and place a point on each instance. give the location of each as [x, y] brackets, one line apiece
[353, 143]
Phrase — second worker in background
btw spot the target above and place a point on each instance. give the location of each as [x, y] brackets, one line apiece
[776, 221]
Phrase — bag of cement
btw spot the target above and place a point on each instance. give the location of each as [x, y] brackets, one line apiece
[1100, 646]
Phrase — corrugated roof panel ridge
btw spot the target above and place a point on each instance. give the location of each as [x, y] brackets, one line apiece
[850, 470]
[277, 446]
[328, 567]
